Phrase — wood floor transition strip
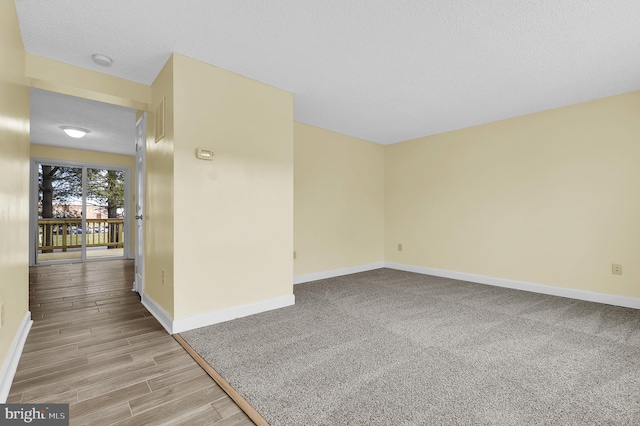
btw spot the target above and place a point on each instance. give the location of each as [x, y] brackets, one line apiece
[233, 394]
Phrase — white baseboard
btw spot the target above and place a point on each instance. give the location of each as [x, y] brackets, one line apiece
[571, 293]
[222, 315]
[10, 364]
[177, 326]
[304, 278]
[160, 314]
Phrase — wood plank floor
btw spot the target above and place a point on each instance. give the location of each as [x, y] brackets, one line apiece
[94, 346]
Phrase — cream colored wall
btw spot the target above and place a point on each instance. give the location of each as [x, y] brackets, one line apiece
[338, 200]
[80, 156]
[159, 193]
[47, 74]
[551, 198]
[14, 179]
[233, 215]
[545, 198]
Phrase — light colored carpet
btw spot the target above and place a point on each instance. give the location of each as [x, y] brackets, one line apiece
[387, 347]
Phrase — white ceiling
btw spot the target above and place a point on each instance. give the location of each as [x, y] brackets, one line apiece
[112, 128]
[384, 71]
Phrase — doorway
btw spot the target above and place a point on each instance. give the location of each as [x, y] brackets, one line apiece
[81, 211]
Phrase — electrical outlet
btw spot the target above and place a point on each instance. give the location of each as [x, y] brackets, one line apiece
[399, 247]
[163, 276]
[1, 314]
[295, 255]
[616, 269]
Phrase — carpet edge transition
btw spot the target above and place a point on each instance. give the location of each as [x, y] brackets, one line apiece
[233, 394]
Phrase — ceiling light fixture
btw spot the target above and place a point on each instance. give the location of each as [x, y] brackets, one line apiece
[74, 132]
[103, 60]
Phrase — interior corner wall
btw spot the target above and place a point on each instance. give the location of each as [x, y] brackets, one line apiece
[80, 156]
[233, 215]
[159, 195]
[14, 179]
[338, 200]
[550, 198]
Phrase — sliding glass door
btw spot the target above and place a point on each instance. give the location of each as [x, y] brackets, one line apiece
[80, 212]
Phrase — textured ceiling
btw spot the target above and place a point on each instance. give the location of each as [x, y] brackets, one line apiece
[112, 128]
[382, 70]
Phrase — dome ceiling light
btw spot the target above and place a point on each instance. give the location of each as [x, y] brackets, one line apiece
[102, 60]
[74, 132]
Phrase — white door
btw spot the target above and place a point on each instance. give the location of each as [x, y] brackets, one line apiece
[141, 137]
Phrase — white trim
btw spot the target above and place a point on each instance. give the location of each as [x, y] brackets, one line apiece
[10, 364]
[139, 190]
[160, 314]
[572, 293]
[33, 209]
[222, 315]
[314, 276]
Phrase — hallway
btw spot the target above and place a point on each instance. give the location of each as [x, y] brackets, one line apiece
[94, 346]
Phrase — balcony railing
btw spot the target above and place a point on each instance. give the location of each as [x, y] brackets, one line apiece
[56, 234]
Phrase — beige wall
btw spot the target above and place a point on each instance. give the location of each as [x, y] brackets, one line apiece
[55, 76]
[550, 198]
[338, 200]
[547, 198]
[82, 156]
[233, 215]
[14, 178]
[256, 159]
[159, 190]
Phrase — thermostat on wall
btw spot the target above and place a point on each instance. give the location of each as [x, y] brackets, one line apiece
[204, 154]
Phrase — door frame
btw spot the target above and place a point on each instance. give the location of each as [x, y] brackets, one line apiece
[141, 138]
[33, 211]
